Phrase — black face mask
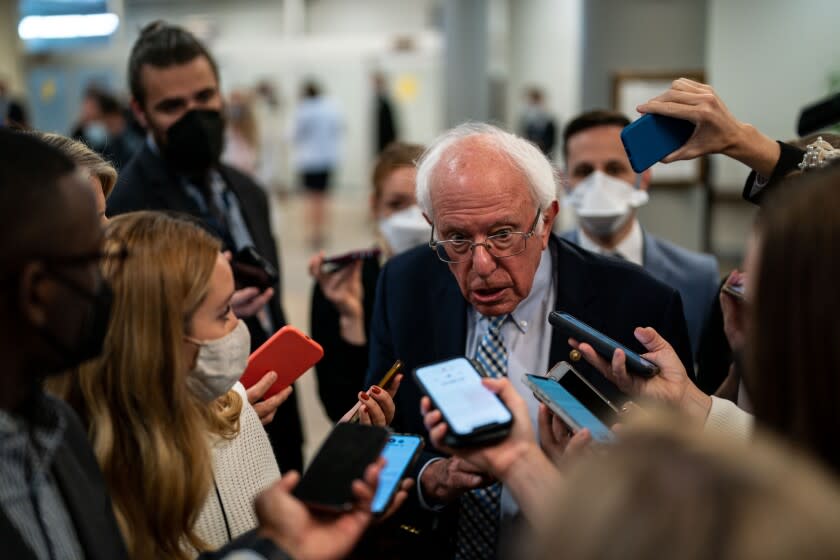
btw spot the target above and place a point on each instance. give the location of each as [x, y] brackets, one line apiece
[92, 328]
[194, 143]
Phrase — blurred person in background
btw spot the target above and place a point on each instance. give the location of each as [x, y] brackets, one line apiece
[13, 113]
[175, 92]
[537, 124]
[385, 125]
[271, 124]
[103, 126]
[667, 491]
[342, 301]
[605, 193]
[316, 134]
[241, 134]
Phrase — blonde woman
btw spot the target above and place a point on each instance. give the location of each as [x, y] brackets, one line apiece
[101, 173]
[182, 450]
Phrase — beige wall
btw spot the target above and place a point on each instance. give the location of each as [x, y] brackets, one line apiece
[11, 70]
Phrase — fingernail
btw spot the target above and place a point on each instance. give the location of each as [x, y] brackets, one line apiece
[365, 409]
[376, 390]
[364, 396]
[273, 377]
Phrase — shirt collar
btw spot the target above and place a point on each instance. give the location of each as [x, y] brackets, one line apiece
[527, 313]
[630, 248]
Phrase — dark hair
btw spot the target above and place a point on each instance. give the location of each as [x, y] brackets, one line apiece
[793, 356]
[394, 156]
[162, 45]
[591, 119]
[30, 199]
[311, 89]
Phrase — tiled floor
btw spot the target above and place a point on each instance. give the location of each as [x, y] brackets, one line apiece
[350, 228]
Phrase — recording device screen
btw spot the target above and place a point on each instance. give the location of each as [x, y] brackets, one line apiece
[398, 454]
[576, 411]
[455, 387]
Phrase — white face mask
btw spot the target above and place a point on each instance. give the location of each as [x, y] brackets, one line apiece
[405, 229]
[603, 203]
[220, 363]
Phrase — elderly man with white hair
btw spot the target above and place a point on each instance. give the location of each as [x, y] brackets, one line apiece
[488, 279]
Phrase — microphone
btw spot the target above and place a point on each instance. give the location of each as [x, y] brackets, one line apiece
[821, 114]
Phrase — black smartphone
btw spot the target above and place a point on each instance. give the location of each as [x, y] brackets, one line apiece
[400, 453]
[474, 414]
[569, 396]
[603, 345]
[250, 269]
[343, 457]
[331, 264]
[651, 137]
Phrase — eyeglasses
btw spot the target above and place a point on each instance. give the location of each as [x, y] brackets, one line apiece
[499, 245]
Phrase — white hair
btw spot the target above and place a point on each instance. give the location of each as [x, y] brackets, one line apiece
[541, 177]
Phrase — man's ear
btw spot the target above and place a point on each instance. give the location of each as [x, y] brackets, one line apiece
[138, 113]
[34, 294]
[549, 215]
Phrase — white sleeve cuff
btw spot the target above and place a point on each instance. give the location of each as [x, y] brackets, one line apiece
[423, 503]
[759, 183]
[725, 417]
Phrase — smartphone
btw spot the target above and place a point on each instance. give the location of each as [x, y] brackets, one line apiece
[250, 269]
[343, 457]
[736, 291]
[352, 415]
[603, 345]
[331, 264]
[568, 407]
[289, 352]
[474, 414]
[400, 453]
[652, 137]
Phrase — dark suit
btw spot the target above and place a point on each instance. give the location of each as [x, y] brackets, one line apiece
[85, 496]
[147, 183]
[341, 372]
[420, 316]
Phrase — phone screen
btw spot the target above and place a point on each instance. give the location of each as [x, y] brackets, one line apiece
[587, 396]
[455, 387]
[398, 453]
[573, 407]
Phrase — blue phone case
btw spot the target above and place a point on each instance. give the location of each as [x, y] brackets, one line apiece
[652, 137]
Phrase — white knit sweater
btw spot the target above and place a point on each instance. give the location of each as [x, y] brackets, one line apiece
[242, 467]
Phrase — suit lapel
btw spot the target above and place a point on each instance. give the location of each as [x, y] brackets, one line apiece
[449, 329]
[654, 260]
[164, 182]
[575, 290]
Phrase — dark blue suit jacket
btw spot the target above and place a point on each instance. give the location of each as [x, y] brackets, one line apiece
[420, 317]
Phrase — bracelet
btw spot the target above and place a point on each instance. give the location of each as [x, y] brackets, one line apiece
[818, 154]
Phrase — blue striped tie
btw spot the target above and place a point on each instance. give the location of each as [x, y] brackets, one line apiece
[479, 511]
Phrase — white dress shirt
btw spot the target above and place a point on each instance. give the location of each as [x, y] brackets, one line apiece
[631, 248]
[527, 340]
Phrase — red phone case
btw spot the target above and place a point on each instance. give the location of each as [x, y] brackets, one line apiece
[288, 352]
